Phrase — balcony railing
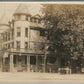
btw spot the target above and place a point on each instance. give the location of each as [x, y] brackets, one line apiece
[33, 47]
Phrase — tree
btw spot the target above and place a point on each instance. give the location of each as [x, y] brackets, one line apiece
[66, 23]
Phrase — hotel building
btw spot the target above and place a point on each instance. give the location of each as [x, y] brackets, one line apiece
[23, 43]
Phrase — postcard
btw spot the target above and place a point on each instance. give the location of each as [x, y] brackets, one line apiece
[41, 41]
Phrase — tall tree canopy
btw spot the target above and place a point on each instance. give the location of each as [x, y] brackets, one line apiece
[67, 29]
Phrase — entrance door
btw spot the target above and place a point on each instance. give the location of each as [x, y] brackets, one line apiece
[33, 63]
[6, 64]
[21, 63]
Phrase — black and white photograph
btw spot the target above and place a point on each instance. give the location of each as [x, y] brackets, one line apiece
[41, 41]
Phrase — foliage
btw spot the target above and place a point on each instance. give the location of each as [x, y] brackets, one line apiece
[67, 26]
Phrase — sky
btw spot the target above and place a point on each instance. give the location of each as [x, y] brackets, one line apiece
[7, 9]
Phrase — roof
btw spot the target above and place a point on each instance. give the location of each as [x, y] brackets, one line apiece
[38, 28]
[22, 9]
[37, 16]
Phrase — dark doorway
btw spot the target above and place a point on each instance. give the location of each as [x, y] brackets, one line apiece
[33, 63]
[20, 63]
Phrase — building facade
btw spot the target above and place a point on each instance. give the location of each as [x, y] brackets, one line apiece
[23, 43]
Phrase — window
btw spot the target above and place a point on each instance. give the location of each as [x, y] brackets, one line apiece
[18, 17]
[8, 46]
[26, 45]
[39, 21]
[35, 20]
[3, 36]
[31, 19]
[42, 33]
[26, 32]
[18, 45]
[14, 59]
[27, 18]
[18, 32]
[12, 34]
[8, 35]
[13, 45]
[48, 37]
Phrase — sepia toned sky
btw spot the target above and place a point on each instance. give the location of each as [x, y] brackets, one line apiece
[7, 9]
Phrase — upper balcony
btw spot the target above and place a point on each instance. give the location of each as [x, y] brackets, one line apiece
[37, 25]
[33, 48]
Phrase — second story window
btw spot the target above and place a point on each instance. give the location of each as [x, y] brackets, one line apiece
[18, 17]
[6, 36]
[12, 34]
[18, 31]
[26, 32]
[8, 46]
[26, 45]
[18, 45]
[3, 36]
[42, 33]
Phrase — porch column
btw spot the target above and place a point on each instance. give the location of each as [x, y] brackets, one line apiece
[3, 64]
[37, 63]
[28, 63]
[11, 62]
[45, 63]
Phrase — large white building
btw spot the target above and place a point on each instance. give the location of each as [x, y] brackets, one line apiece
[23, 42]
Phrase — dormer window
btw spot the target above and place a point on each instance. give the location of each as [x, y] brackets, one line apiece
[32, 19]
[27, 18]
[42, 22]
[18, 17]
